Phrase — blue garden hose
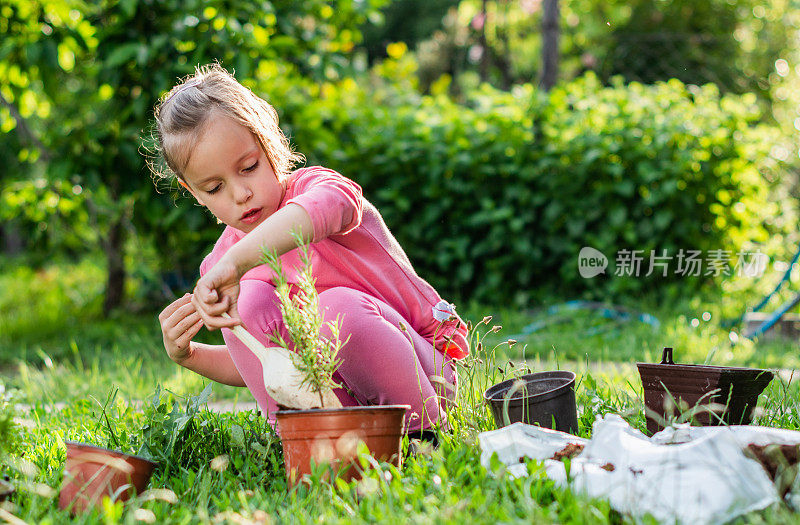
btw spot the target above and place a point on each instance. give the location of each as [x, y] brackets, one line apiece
[616, 313]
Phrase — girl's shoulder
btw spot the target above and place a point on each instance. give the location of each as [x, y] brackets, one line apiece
[319, 178]
[313, 174]
[312, 171]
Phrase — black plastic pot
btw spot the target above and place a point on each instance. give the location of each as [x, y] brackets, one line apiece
[6, 489]
[546, 399]
[713, 395]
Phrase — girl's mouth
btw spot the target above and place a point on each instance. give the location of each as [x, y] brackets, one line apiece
[251, 216]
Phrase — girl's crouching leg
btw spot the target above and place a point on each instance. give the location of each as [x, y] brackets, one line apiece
[385, 362]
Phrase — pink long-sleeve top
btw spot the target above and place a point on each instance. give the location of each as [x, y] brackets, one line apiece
[353, 248]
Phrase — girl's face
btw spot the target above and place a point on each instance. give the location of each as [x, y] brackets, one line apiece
[229, 173]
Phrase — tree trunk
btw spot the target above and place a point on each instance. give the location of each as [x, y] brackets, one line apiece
[114, 246]
[484, 64]
[550, 31]
[502, 57]
[11, 242]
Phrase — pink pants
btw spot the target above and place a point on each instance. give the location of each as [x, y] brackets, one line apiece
[381, 364]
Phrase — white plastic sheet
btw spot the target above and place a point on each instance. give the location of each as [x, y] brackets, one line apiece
[744, 434]
[684, 475]
[523, 441]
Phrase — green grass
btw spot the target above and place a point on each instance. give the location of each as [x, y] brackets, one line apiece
[61, 362]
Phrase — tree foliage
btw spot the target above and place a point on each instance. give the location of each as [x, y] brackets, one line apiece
[494, 198]
[490, 193]
[80, 81]
[733, 43]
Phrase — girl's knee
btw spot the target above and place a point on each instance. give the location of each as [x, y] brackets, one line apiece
[340, 297]
[345, 303]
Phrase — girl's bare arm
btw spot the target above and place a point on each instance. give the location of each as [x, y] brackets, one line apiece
[213, 362]
[275, 233]
[217, 292]
[180, 322]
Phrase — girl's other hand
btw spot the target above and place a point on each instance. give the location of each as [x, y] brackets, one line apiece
[216, 293]
[180, 322]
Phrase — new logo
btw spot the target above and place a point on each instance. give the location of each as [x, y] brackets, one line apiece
[591, 262]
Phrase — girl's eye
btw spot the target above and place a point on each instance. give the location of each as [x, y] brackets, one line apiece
[251, 168]
[214, 190]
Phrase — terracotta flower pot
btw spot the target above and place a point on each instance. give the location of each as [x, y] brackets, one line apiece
[93, 472]
[332, 436]
[715, 394]
[546, 399]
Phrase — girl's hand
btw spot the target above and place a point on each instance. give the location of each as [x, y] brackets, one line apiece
[180, 322]
[217, 292]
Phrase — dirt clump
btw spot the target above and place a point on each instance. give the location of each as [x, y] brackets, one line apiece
[570, 451]
[780, 462]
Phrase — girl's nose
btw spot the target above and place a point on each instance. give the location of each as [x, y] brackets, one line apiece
[242, 193]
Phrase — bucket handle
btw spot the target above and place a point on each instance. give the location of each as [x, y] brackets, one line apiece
[666, 357]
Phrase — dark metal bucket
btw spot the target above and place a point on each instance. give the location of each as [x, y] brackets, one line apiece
[546, 399]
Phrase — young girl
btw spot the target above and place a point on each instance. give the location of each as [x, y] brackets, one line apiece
[224, 146]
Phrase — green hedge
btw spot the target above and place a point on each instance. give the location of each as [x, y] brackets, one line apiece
[493, 197]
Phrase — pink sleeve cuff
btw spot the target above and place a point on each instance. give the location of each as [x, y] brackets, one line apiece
[332, 201]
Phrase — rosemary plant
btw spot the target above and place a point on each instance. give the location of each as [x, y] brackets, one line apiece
[314, 354]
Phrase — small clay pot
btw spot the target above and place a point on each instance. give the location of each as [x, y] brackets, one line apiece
[716, 394]
[6, 489]
[546, 399]
[93, 472]
[331, 436]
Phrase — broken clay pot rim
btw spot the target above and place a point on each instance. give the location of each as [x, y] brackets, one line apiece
[108, 451]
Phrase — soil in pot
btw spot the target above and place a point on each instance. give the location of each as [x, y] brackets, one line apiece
[332, 436]
[546, 399]
[93, 472]
[706, 395]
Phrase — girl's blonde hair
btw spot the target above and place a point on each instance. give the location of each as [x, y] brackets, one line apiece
[182, 114]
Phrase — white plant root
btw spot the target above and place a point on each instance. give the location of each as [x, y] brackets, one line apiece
[282, 379]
